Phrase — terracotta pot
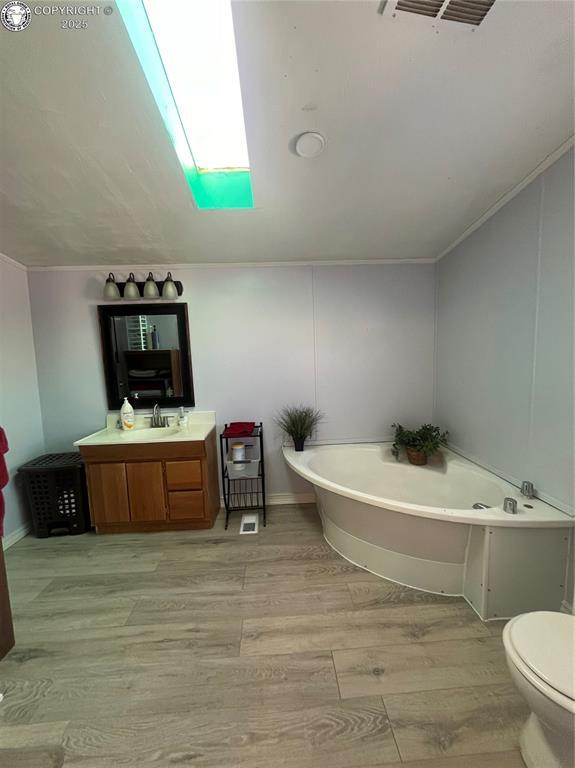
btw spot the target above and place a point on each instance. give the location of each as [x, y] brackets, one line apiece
[416, 457]
[298, 443]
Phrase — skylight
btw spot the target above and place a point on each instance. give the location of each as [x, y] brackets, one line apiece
[188, 54]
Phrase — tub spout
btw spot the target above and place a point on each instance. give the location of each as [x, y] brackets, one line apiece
[527, 489]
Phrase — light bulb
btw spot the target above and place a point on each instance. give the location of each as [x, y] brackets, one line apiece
[150, 288]
[111, 290]
[169, 290]
[131, 290]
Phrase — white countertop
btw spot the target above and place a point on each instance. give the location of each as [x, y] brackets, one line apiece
[200, 424]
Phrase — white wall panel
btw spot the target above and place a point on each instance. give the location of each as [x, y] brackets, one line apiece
[19, 400]
[374, 348]
[551, 445]
[504, 363]
[360, 337]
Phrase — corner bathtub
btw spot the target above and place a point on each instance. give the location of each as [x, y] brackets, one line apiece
[417, 526]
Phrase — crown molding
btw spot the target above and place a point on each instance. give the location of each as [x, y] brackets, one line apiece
[13, 262]
[511, 193]
[223, 265]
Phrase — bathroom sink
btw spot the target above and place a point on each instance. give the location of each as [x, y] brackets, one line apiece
[199, 426]
[150, 434]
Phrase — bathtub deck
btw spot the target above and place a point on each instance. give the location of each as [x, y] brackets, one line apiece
[219, 650]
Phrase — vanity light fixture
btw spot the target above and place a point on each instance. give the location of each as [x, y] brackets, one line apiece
[131, 290]
[169, 290]
[111, 290]
[150, 288]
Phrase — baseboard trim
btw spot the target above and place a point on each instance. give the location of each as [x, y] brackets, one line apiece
[12, 538]
[272, 499]
[275, 499]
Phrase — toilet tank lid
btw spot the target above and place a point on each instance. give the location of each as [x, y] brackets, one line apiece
[545, 641]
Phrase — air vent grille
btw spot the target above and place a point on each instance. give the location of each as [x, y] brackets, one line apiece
[467, 11]
[422, 7]
[249, 523]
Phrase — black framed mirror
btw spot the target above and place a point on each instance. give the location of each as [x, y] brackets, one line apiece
[146, 354]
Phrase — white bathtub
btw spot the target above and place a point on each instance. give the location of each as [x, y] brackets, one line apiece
[417, 526]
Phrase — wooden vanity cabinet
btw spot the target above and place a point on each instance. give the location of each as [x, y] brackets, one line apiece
[109, 500]
[153, 486]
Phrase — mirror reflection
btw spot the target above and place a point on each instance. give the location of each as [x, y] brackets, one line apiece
[147, 356]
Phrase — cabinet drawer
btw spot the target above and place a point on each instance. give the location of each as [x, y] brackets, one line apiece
[186, 505]
[183, 475]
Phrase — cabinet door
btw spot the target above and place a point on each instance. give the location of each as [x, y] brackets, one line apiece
[184, 475]
[146, 489]
[186, 505]
[108, 493]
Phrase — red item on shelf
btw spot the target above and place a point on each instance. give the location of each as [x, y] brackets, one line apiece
[4, 477]
[239, 429]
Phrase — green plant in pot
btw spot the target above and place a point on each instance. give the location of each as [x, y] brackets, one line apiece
[298, 421]
[418, 443]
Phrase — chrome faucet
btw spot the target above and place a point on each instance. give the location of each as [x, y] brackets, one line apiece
[157, 419]
[527, 489]
[510, 505]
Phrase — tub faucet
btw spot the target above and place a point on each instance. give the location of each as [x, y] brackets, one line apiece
[510, 505]
[527, 489]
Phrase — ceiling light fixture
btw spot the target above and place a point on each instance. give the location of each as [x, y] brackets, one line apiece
[188, 53]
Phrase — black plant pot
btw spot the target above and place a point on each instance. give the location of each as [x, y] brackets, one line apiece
[298, 443]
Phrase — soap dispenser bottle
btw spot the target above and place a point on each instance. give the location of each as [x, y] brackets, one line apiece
[182, 419]
[127, 415]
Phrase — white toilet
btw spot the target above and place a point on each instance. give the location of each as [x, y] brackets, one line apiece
[540, 650]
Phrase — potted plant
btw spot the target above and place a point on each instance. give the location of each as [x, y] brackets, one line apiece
[298, 421]
[418, 443]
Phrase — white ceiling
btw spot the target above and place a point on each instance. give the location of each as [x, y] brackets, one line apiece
[427, 125]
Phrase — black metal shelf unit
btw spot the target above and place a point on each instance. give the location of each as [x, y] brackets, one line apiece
[243, 482]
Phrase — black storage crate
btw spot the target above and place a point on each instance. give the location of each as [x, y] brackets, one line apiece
[56, 491]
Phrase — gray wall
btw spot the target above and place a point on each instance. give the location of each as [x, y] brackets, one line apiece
[19, 399]
[504, 338]
[356, 341]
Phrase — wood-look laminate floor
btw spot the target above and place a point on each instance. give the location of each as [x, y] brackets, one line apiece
[216, 650]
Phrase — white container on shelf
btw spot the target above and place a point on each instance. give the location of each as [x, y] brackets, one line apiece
[237, 471]
[238, 451]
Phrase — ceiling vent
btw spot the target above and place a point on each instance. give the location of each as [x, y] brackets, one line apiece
[464, 11]
[467, 11]
[422, 7]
